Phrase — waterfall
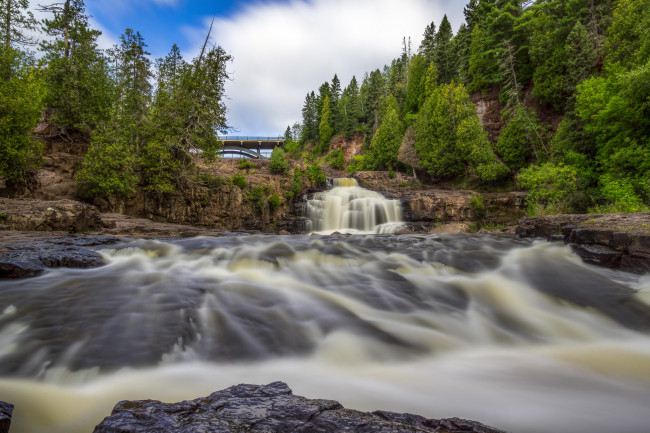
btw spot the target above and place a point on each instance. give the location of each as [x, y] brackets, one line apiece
[349, 208]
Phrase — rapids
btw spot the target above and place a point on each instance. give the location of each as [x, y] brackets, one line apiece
[517, 334]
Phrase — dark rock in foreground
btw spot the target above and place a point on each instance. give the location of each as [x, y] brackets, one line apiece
[5, 416]
[618, 241]
[268, 408]
[31, 258]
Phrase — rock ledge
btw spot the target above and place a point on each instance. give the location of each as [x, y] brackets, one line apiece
[268, 408]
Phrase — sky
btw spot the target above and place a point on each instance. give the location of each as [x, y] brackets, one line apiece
[281, 49]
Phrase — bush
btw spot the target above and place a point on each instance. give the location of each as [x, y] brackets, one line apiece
[296, 183]
[357, 164]
[335, 159]
[315, 174]
[550, 186]
[477, 204]
[275, 202]
[245, 164]
[279, 164]
[293, 149]
[391, 173]
[240, 181]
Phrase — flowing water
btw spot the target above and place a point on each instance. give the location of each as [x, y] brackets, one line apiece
[517, 334]
[348, 208]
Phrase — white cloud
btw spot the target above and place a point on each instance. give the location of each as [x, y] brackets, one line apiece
[282, 51]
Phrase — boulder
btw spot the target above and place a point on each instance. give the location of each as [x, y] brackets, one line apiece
[6, 410]
[59, 215]
[268, 408]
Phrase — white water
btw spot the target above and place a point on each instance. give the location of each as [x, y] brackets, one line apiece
[439, 326]
[348, 208]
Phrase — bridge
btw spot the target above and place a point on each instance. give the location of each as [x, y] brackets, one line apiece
[249, 146]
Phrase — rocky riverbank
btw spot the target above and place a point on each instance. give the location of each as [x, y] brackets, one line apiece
[269, 408]
[619, 241]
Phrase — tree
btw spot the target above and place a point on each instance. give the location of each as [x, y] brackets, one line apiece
[428, 45]
[309, 119]
[443, 56]
[449, 137]
[15, 19]
[21, 95]
[79, 91]
[351, 108]
[407, 153]
[335, 92]
[415, 89]
[325, 129]
[386, 142]
[478, 62]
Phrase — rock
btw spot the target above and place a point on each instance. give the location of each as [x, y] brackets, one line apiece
[59, 215]
[31, 258]
[451, 229]
[619, 241]
[283, 233]
[6, 410]
[267, 408]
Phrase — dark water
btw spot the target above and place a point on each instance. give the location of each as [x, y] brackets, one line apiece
[517, 334]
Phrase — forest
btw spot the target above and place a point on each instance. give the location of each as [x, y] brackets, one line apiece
[587, 61]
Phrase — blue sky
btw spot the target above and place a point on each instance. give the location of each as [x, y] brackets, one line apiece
[282, 49]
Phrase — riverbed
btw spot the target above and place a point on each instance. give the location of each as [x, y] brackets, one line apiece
[517, 334]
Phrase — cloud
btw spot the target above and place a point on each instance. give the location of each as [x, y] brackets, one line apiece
[282, 51]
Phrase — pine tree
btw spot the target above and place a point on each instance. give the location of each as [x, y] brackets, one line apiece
[79, 91]
[386, 142]
[478, 62]
[309, 119]
[15, 20]
[443, 56]
[580, 58]
[428, 45]
[325, 128]
[335, 92]
[415, 90]
[351, 108]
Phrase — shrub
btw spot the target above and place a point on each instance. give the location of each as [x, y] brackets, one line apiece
[336, 159]
[315, 174]
[245, 164]
[357, 164]
[279, 164]
[550, 186]
[391, 173]
[240, 181]
[477, 204]
[275, 202]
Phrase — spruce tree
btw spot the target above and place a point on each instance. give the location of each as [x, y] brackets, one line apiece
[309, 119]
[385, 145]
[443, 56]
[335, 93]
[351, 110]
[428, 45]
[325, 128]
[15, 20]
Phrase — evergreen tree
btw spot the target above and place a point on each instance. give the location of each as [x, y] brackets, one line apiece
[478, 62]
[15, 20]
[351, 108]
[443, 56]
[460, 49]
[335, 92]
[325, 128]
[79, 92]
[21, 95]
[471, 13]
[415, 90]
[428, 45]
[372, 96]
[580, 60]
[309, 119]
[386, 142]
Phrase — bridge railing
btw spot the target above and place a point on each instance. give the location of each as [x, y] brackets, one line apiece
[248, 138]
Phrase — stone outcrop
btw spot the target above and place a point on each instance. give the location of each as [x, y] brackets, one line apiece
[351, 147]
[619, 241]
[269, 408]
[37, 215]
[31, 258]
[6, 410]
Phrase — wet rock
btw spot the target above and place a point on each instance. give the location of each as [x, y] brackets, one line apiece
[268, 408]
[6, 410]
[619, 241]
[59, 215]
[31, 258]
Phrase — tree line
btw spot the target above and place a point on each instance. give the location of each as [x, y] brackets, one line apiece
[144, 121]
[586, 60]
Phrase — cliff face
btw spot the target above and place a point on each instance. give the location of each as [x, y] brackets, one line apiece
[351, 147]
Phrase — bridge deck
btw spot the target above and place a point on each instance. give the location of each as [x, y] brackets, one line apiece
[251, 142]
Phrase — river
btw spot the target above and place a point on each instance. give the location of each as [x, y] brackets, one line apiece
[517, 334]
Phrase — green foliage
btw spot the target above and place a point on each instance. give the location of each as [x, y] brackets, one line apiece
[477, 204]
[335, 159]
[258, 196]
[296, 183]
[449, 137]
[521, 139]
[315, 174]
[478, 62]
[293, 149]
[325, 128]
[208, 180]
[358, 163]
[16, 21]
[550, 186]
[274, 201]
[108, 169]
[391, 173]
[21, 95]
[245, 164]
[240, 181]
[160, 168]
[619, 196]
[386, 142]
[278, 164]
[443, 55]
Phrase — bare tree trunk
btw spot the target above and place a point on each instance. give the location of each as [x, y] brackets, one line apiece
[66, 23]
[8, 25]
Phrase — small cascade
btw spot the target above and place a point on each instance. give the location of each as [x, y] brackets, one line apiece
[348, 208]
